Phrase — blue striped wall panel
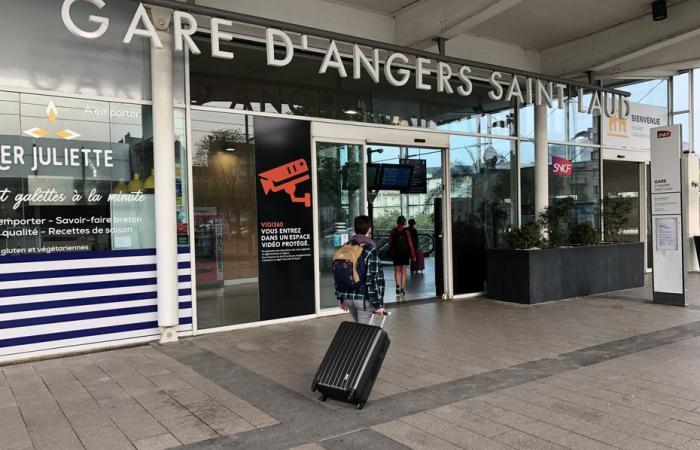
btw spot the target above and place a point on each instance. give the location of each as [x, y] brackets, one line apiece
[67, 299]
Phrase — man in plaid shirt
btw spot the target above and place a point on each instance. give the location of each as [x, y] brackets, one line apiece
[367, 299]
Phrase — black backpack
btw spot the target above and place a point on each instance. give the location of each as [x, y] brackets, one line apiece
[400, 248]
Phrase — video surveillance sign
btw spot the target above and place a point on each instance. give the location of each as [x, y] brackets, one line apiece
[284, 217]
[668, 222]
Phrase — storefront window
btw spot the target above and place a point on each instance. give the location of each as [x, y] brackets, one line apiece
[75, 175]
[225, 231]
[575, 173]
[182, 183]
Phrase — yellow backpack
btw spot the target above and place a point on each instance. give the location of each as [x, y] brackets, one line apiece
[349, 268]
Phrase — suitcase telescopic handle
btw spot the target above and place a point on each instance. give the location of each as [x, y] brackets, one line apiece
[382, 319]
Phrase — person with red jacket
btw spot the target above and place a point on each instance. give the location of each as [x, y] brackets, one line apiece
[401, 251]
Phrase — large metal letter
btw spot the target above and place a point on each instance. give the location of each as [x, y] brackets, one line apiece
[103, 22]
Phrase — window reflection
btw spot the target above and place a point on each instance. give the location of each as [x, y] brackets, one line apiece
[484, 206]
[300, 90]
[225, 218]
[340, 200]
[582, 182]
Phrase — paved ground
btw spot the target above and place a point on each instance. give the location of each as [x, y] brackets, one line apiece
[610, 371]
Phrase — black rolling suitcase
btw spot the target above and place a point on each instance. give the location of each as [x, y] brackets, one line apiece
[352, 362]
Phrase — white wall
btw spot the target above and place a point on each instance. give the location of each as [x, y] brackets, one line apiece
[493, 52]
[335, 17]
[315, 13]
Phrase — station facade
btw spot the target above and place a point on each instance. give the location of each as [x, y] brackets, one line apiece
[168, 169]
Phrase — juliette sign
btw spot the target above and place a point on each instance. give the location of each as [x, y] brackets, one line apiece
[396, 68]
[562, 167]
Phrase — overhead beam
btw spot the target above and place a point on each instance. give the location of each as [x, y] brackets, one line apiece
[624, 42]
[646, 50]
[659, 70]
[418, 26]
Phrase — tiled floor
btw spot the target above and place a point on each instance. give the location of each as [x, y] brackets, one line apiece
[136, 397]
[609, 371]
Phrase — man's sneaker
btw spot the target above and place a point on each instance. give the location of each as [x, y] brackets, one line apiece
[398, 290]
[403, 292]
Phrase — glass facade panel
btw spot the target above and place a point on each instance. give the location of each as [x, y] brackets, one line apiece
[74, 175]
[582, 183]
[622, 180]
[583, 127]
[681, 89]
[526, 122]
[50, 58]
[484, 204]
[556, 124]
[650, 92]
[298, 89]
[683, 120]
[527, 182]
[340, 200]
[225, 219]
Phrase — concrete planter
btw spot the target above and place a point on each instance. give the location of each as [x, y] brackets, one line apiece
[541, 275]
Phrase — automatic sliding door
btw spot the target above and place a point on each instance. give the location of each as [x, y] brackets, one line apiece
[340, 200]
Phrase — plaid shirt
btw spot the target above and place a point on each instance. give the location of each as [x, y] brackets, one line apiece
[374, 281]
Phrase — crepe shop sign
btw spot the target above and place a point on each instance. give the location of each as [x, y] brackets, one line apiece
[396, 69]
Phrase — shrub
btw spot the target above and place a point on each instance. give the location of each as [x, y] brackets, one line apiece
[583, 234]
[616, 216]
[529, 236]
[555, 220]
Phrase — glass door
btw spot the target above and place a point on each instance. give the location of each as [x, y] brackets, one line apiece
[420, 206]
[342, 191]
[340, 197]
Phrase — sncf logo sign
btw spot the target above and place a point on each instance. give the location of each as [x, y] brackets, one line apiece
[562, 167]
[663, 134]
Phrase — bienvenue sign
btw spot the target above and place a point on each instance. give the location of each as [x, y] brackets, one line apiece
[396, 70]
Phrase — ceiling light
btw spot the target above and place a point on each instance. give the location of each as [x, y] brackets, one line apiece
[230, 149]
[350, 112]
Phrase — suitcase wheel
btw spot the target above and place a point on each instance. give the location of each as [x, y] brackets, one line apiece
[323, 397]
[361, 405]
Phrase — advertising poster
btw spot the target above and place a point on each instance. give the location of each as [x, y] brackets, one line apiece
[285, 217]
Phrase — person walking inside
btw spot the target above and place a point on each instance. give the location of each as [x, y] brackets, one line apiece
[360, 256]
[401, 251]
[414, 233]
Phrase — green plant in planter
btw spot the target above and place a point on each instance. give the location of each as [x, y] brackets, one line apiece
[555, 220]
[583, 234]
[616, 216]
[528, 236]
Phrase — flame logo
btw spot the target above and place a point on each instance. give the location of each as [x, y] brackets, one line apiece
[52, 114]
